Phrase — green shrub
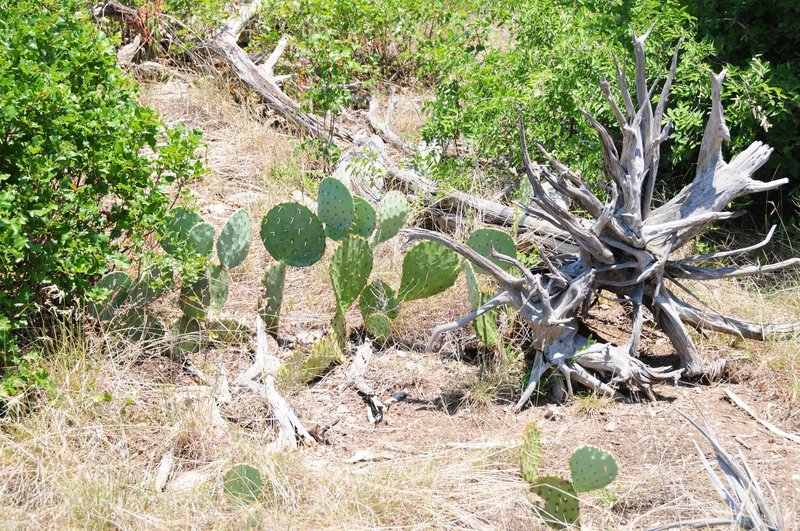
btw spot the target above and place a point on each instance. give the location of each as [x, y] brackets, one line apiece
[86, 172]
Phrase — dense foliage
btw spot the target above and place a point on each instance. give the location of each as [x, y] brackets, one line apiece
[85, 171]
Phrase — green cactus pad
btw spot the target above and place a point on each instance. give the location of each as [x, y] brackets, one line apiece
[428, 268]
[118, 286]
[339, 330]
[150, 285]
[201, 238]
[293, 234]
[229, 332]
[195, 298]
[234, 239]
[391, 217]
[483, 240]
[218, 284]
[324, 353]
[335, 207]
[350, 268]
[242, 484]
[269, 307]
[139, 326]
[179, 222]
[378, 297]
[379, 326]
[530, 453]
[185, 337]
[561, 509]
[485, 326]
[592, 468]
[364, 217]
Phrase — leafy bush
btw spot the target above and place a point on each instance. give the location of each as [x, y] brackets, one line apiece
[85, 171]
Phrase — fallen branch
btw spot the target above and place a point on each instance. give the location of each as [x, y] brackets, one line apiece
[771, 427]
[355, 377]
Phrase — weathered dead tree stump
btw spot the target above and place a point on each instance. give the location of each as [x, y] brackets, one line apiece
[626, 246]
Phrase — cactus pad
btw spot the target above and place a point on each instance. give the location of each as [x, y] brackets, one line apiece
[139, 326]
[270, 304]
[179, 222]
[350, 268]
[486, 325]
[592, 468]
[201, 238]
[229, 331]
[335, 207]
[150, 285]
[242, 484]
[561, 509]
[379, 325]
[428, 268]
[234, 239]
[391, 217]
[378, 297]
[530, 453]
[484, 240]
[185, 337]
[293, 234]
[118, 286]
[195, 298]
[363, 217]
[324, 353]
[339, 330]
[218, 283]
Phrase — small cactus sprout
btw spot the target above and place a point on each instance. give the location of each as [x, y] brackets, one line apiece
[184, 337]
[530, 453]
[378, 297]
[293, 234]
[428, 268]
[379, 326]
[201, 239]
[391, 217]
[335, 207]
[350, 268]
[592, 468]
[269, 307]
[149, 285]
[229, 331]
[117, 286]
[234, 240]
[561, 509]
[242, 484]
[138, 326]
[484, 240]
[364, 218]
[179, 222]
[486, 325]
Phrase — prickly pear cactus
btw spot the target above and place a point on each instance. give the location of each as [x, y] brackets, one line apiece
[138, 326]
[530, 453]
[149, 285]
[270, 304]
[561, 509]
[339, 330]
[350, 268]
[242, 484]
[218, 284]
[179, 222]
[379, 326]
[486, 325]
[364, 218]
[378, 297]
[324, 353]
[592, 468]
[391, 217]
[184, 337]
[229, 332]
[234, 239]
[484, 240]
[335, 207]
[293, 234]
[118, 285]
[428, 269]
[201, 238]
[195, 298]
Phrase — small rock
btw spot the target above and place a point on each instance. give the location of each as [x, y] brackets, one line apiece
[246, 198]
[343, 409]
[610, 427]
[217, 209]
[553, 413]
